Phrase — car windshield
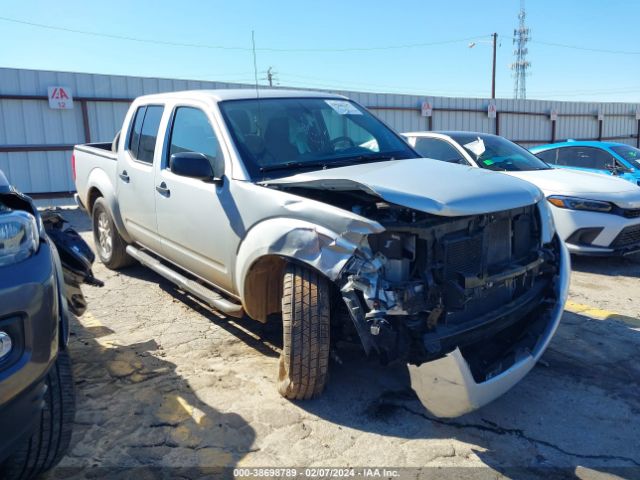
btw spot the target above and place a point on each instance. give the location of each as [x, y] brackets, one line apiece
[280, 136]
[630, 154]
[497, 153]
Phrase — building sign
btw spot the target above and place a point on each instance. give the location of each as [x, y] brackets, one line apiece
[600, 115]
[427, 109]
[554, 115]
[60, 98]
[637, 113]
[492, 110]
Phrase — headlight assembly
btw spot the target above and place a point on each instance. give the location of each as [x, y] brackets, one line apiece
[18, 236]
[574, 203]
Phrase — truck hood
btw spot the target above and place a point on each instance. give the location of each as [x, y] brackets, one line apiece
[438, 188]
[594, 186]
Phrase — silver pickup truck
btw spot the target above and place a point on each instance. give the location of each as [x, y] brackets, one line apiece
[304, 208]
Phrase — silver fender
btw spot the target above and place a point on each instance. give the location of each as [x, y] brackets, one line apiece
[319, 247]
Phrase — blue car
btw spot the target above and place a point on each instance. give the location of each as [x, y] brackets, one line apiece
[608, 158]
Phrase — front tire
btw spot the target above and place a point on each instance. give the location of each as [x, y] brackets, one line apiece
[304, 361]
[110, 246]
[50, 440]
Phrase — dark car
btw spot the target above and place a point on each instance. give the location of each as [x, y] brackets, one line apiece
[37, 296]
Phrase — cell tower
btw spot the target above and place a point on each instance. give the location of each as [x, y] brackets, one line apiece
[521, 65]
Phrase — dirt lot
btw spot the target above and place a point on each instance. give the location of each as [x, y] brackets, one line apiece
[163, 381]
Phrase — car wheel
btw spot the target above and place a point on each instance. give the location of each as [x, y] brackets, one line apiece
[304, 361]
[110, 246]
[50, 440]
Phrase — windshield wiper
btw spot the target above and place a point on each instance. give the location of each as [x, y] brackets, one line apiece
[288, 165]
[340, 162]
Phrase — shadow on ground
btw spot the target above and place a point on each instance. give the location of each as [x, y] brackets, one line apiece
[141, 418]
[608, 266]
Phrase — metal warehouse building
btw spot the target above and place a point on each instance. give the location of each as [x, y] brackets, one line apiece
[36, 140]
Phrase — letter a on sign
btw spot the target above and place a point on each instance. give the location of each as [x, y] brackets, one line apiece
[491, 109]
[60, 98]
[427, 109]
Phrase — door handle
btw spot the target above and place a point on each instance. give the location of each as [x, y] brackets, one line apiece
[124, 177]
[163, 190]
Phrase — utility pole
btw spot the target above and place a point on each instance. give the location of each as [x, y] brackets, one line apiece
[493, 75]
[494, 37]
[271, 76]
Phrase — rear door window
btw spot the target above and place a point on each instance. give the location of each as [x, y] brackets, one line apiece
[142, 141]
[149, 133]
[585, 157]
[134, 137]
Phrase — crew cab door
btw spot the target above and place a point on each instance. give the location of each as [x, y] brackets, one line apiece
[135, 176]
[193, 214]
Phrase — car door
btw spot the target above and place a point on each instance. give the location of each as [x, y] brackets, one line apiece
[588, 159]
[192, 214]
[135, 179]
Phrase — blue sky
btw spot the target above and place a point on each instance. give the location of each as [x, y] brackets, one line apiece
[296, 30]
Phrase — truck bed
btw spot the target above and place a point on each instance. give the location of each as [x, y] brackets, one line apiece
[103, 149]
[93, 159]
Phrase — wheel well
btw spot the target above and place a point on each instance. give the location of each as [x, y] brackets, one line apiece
[94, 194]
[263, 287]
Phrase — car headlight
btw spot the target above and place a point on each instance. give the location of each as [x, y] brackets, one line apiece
[18, 236]
[574, 203]
[546, 218]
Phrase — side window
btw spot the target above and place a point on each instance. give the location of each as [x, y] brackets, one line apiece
[438, 150]
[149, 133]
[134, 136]
[191, 132]
[549, 156]
[584, 157]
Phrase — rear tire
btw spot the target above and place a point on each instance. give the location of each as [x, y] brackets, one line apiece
[304, 361]
[110, 246]
[50, 440]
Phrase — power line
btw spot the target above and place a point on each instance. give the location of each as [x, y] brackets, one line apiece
[586, 49]
[301, 50]
[226, 47]
[342, 86]
[121, 37]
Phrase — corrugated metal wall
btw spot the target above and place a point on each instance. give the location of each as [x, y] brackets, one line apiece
[28, 124]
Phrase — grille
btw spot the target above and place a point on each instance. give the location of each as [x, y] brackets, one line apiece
[628, 236]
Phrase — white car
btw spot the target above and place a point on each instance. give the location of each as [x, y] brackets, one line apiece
[594, 214]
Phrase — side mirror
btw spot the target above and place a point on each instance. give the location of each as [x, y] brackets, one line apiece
[615, 168]
[196, 165]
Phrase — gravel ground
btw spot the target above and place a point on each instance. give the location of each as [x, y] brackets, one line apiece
[163, 381]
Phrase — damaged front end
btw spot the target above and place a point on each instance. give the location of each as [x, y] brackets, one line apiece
[470, 302]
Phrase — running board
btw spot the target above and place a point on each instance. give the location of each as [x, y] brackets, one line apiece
[203, 293]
